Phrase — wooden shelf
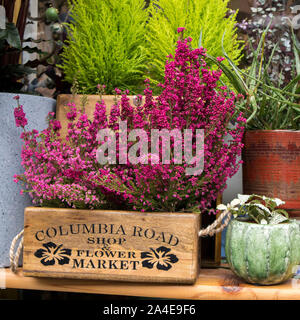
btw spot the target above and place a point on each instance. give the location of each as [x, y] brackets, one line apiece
[212, 284]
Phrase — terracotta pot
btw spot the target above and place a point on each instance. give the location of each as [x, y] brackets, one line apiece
[272, 166]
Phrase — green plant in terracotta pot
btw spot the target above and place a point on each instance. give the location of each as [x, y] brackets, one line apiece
[262, 243]
[271, 153]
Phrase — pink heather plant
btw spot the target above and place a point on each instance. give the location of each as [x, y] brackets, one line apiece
[66, 174]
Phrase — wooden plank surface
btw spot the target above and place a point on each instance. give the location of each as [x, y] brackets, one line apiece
[212, 284]
[111, 245]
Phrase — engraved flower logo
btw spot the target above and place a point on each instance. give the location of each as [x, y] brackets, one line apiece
[52, 253]
[160, 257]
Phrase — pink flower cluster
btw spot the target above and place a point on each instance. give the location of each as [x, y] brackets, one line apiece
[67, 174]
[19, 114]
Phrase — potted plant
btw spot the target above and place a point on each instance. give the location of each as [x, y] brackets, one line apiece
[113, 161]
[271, 157]
[138, 50]
[12, 205]
[262, 243]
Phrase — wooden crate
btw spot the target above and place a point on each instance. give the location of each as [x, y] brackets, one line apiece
[111, 245]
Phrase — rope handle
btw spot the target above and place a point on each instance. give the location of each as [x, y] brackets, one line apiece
[14, 255]
[215, 227]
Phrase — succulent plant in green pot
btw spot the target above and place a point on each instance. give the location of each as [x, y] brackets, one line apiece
[262, 243]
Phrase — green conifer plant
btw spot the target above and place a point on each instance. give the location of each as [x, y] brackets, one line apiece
[106, 45]
[120, 43]
[203, 19]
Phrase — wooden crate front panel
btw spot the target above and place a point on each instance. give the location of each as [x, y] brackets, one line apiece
[112, 245]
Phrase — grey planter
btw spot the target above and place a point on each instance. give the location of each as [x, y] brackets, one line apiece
[12, 204]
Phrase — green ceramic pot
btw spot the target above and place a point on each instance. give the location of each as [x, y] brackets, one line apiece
[263, 254]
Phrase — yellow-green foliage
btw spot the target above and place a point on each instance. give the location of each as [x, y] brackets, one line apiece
[106, 44]
[118, 43]
[197, 16]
